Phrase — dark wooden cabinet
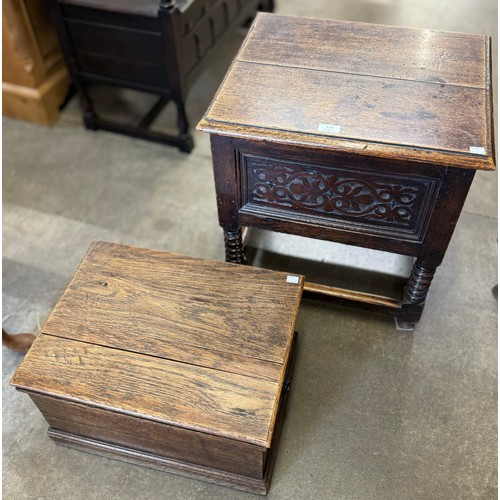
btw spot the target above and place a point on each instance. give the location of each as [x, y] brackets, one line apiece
[361, 134]
[170, 362]
[154, 46]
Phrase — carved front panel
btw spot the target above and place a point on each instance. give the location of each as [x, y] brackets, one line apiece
[384, 203]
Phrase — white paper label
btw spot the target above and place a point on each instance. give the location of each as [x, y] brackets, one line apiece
[477, 151]
[328, 128]
[292, 279]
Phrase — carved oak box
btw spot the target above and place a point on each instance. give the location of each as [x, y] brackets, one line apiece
[356, 133]
[171, 362]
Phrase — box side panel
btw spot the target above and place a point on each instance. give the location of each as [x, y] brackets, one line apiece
[152, 437]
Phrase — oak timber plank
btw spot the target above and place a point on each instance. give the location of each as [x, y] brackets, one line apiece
[362, 149]
[422, 96]
[379, 110]
[161, 303]
[368, 49]
[153, 437]
[201, 399]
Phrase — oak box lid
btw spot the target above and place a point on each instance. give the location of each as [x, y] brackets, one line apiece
[188, 342]
[394, 92]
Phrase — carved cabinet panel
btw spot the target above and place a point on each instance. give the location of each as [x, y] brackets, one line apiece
[372, 202]
[204, 25]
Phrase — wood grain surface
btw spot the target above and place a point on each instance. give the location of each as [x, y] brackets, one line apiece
[202, 399]
[152, 437]
[216, 314]
[197, 344]
[229, 463]
[368, 49]
[384, 91]
[365, 108]
[187, 469]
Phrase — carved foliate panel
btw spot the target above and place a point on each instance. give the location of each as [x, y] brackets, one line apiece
[390, 203]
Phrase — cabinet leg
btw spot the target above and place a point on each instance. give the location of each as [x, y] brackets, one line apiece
[418, 285]
[407, 326]
[182, 121]
[414, 296]
[186, 143]
[89, 115]
[234, 247]
[90, 120]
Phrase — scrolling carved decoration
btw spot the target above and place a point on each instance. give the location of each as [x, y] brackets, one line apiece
[342, 193]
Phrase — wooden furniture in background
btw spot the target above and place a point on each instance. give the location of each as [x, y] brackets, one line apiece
[362, 134]
[171, 362]
[35, 78]
[20, 342]
[154, 46]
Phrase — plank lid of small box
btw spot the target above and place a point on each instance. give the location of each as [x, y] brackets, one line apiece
[384, 91]
[144, 343]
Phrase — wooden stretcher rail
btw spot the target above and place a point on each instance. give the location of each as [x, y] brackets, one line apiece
[342, 293]
[347, 297]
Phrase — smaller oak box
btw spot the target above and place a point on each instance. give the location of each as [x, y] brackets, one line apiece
[162, 360]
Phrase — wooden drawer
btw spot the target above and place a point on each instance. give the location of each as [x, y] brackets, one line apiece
[338, 196]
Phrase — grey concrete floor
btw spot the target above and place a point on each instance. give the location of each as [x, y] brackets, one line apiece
[374, 413]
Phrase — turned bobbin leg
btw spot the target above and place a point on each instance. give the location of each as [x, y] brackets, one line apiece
[418, 285]
[233, 242]
[455, 183]
[414, 296]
